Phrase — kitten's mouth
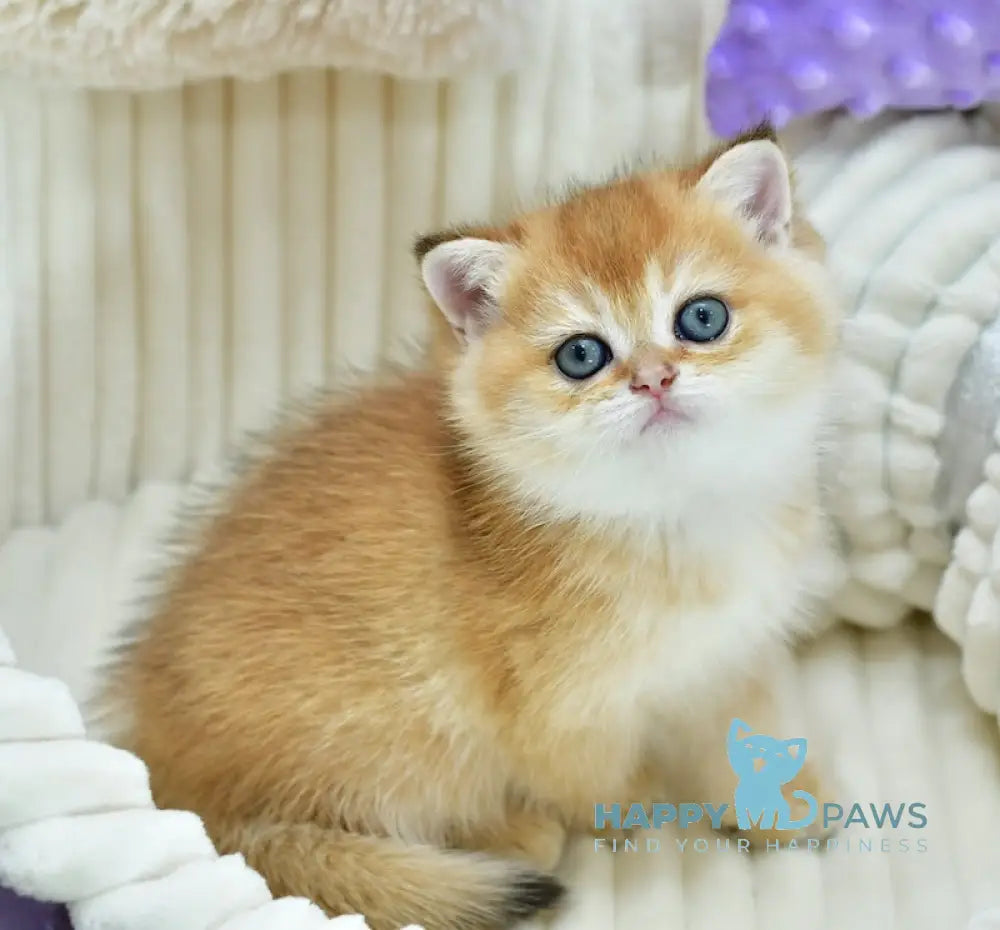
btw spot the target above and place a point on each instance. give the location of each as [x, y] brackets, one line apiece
[665, 415]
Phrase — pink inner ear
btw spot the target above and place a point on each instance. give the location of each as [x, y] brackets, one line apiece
[465, 310]
[768, 203]
[452, 292]
[459, 276]
[474, 297]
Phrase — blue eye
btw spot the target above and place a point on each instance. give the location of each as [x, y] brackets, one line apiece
[701, 320]
[582, 357]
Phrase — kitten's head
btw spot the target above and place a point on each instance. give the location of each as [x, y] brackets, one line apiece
[643, 342]
[777, 761]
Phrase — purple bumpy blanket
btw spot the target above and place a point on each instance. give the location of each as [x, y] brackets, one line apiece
[779, 59]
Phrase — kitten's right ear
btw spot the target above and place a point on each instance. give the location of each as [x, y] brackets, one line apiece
[752, 181]
[464, 277]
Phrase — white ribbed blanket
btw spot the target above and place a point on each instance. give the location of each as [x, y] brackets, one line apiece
[78, 825]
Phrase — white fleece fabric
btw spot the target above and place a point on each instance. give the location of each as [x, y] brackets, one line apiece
[132, 44]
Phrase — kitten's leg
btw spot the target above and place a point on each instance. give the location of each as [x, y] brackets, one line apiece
[528, 834]
[702, 773]
[647, 786]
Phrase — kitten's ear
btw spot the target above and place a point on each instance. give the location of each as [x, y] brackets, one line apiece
[796, 748]
[751, 179]
[464, 276]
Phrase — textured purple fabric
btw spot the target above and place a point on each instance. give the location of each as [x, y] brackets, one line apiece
[779, 59]
[18, 913]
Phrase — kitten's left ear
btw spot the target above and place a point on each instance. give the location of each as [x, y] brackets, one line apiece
[752, 181]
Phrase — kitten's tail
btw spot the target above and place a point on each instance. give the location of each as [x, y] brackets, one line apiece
[809, 818]
[391, 883]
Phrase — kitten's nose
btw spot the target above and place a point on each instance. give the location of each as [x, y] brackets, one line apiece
[654, 379]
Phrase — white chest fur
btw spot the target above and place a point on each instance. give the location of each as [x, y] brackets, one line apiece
[770, 588]
[696, 646]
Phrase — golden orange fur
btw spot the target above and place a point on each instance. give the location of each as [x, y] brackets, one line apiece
[428, 626]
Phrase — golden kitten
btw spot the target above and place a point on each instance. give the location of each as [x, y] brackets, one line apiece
[430, 625]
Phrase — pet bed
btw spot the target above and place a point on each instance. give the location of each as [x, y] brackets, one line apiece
[177, 261]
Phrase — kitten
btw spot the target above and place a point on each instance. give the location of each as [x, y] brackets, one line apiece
[427, 627]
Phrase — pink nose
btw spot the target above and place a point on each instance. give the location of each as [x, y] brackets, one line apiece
[654, 379]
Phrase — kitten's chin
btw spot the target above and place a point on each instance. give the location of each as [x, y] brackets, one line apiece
[664, 420]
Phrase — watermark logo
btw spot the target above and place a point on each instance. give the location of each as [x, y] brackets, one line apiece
[764, 765]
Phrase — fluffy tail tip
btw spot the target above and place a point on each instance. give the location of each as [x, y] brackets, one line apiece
[531, 892]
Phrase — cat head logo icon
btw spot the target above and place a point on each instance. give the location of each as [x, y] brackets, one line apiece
[763, 765]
